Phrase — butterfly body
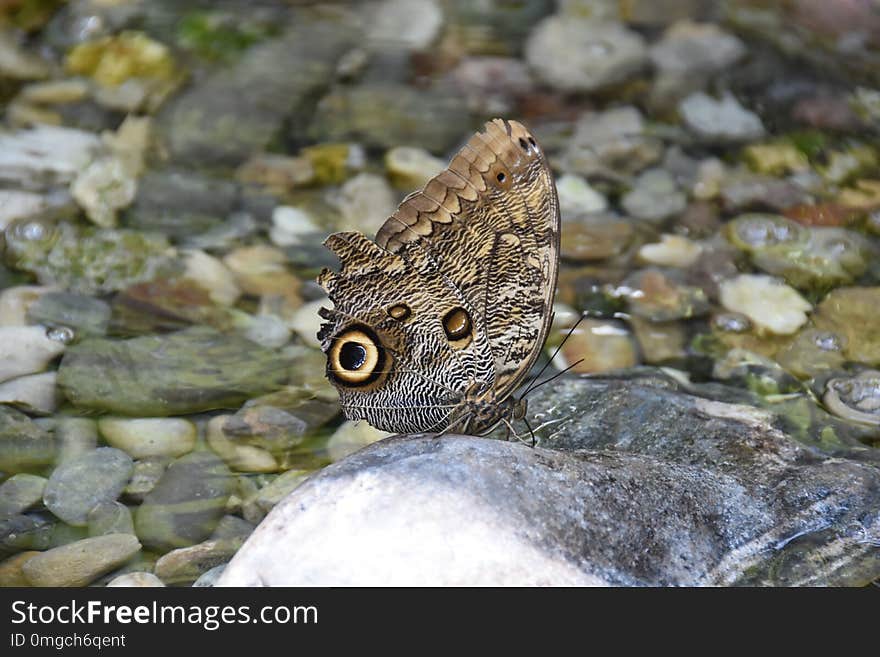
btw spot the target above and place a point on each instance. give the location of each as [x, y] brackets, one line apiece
[437, 322]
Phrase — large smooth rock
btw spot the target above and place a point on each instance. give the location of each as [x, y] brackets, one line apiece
[643, 484]
[192, 370]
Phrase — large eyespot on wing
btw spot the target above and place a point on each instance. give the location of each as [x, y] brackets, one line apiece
[356, 358]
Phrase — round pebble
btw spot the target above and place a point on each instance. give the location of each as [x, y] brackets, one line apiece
[79, 484]
[769, 303]
[146, 437]
[110, 518]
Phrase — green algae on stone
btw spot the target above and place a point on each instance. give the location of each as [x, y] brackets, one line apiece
[853, 313]
[193, 370]
[23, 444]
[186, 504]
[86, 260]
[216, 36]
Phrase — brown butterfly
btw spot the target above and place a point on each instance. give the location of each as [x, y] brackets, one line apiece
[438, 321]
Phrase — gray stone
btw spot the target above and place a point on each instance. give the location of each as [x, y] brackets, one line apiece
[611, 143]
[32, 531]
[239, 110]
[186, 565]
[79, 563]
[19, 493]
[81, 483]
[86, 315]
[722, 120]
[692, 48]
[186, 504]
[654, 197]
[641, 484]
[23, 444]
[575, 54]
[146, 474]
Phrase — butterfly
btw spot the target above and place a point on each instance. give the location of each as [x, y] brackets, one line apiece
[437, 322]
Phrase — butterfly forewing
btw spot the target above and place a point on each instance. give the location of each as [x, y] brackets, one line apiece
[475, 250]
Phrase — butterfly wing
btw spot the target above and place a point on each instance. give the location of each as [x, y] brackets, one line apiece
[490, 224]
[456, 289]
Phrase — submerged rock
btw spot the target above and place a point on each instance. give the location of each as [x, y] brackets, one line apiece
[86, 260]
[574, 54]
[186, 504]
[81, 483]
[722, 120]
[23, 445]
[184, 372]
[769, 303]
[851, 312]
[707, 493]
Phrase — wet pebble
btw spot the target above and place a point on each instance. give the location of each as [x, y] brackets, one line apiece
[11, 569]
[243, 458]
[136, 580]
[36, 393]
[25, 350]
[45, 155]
[595, 237]
[284, 483]
[306, 322]
[290, 224]
[671, 251]
[612, 143]
[86, 315]
[148, 437]
[574, 54]
[19, 493]
[848, 311]
[720, 120]
[654, 197]
[81, 483]
[404, 24]
[23, 444]
[364, 203]
[812, 352]
[261, 270]
[186, 565]
[147, 473]
[209, 577]
[769, 303]
[212, 276]
[659, 342]
[109, 518]
[576, 197]
[660, 296]
[102, 189]
[81, 562]
[186, 504]
[689, 48]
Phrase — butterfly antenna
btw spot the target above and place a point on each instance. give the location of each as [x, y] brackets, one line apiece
[552, 378]
[533, 385]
